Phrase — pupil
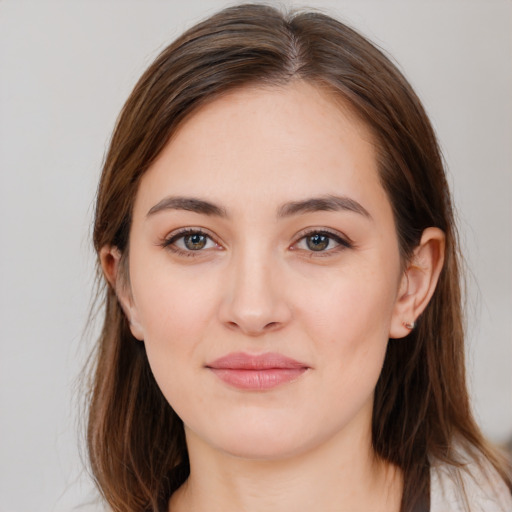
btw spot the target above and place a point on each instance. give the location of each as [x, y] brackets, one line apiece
[195, 242]
[318, 242]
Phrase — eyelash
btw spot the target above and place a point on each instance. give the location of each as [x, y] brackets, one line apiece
[168, 242]
[344, 243]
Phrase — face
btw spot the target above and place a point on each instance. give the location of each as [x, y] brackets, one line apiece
[264, 272]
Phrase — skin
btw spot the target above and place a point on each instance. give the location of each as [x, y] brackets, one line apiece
[257, 286]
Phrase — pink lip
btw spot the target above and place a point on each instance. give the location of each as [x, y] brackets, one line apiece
[256, 372]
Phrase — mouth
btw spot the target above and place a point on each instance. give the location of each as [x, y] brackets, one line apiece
[257, 372]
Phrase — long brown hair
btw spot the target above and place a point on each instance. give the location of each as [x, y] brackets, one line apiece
[136, 441]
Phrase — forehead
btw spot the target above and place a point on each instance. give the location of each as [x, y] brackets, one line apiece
[271, 143]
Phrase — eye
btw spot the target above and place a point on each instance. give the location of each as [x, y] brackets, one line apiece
[322, 242]
[189, 241]
[194, 242]
[318, 241]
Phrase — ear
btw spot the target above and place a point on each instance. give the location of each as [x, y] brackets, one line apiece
[110, 258]
[418, 282]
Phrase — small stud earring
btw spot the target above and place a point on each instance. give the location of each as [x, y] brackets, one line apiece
[409, 326]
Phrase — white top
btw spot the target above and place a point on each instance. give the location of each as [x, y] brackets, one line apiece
[485, 490]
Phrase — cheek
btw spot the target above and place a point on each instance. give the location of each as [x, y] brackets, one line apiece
[351, 307]
[166, 296]
[173, 307]
[349, 321]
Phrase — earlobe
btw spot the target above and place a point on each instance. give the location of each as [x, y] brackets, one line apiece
[110, 259]
[418, 282]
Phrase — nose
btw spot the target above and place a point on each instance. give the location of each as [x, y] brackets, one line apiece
[253, 299]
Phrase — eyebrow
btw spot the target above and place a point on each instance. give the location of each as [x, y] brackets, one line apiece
[329, 203]
[190, 204]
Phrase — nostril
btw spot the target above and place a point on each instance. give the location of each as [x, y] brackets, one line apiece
[252, 330]
[271, 326]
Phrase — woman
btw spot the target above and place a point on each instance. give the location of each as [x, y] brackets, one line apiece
[282, 321]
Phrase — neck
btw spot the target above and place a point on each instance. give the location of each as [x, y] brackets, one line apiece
[341, 475]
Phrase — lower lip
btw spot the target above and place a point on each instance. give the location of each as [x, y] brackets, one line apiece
[258, 380]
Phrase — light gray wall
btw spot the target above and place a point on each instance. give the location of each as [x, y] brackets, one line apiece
[66, 69]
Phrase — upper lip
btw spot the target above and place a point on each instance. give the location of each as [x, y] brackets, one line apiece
[244, 361]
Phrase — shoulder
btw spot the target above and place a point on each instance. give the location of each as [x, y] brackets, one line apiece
[474, 487]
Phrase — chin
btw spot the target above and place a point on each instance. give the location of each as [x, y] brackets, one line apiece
[263, 448]
[260, 438]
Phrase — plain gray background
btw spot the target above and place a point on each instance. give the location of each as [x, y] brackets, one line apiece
[67, 67]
